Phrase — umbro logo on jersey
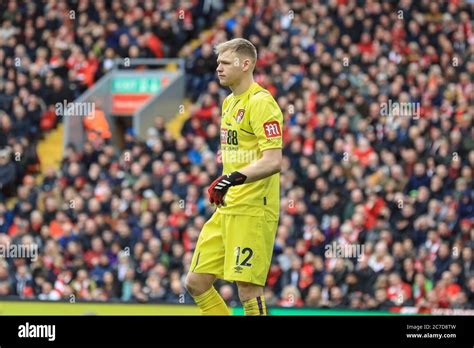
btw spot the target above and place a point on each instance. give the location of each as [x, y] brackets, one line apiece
[272, 129]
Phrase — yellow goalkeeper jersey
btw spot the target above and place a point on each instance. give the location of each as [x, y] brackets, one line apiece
[251, 123]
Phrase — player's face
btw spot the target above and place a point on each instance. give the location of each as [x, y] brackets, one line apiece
[229, 68]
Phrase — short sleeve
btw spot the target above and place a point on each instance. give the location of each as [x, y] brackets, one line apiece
[266, 121]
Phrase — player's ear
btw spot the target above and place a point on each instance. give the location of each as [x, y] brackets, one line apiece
[246, 64]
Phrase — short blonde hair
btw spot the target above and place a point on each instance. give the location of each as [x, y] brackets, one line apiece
[238, 45]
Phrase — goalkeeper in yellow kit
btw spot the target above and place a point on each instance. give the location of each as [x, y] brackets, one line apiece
[236, 244]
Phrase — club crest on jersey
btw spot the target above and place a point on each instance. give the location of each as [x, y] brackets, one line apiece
[272, 129]
[240, 115]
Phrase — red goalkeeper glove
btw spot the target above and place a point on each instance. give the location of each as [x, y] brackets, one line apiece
[219, 187]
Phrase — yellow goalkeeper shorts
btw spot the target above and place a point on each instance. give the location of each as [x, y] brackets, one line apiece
[235, 248]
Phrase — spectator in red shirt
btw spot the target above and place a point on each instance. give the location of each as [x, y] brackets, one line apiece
[363, 152]
[92, 256]
[366, 45]
[398, 291]
[451, 288]
[291, 297]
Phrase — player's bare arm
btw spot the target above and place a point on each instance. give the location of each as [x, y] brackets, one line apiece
[269, 164]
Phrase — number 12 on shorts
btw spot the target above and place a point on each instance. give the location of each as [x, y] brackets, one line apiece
[246, 253]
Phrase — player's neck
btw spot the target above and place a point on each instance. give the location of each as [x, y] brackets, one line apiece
[242, 87]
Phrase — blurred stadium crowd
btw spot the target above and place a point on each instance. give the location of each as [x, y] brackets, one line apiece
[116, 225]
